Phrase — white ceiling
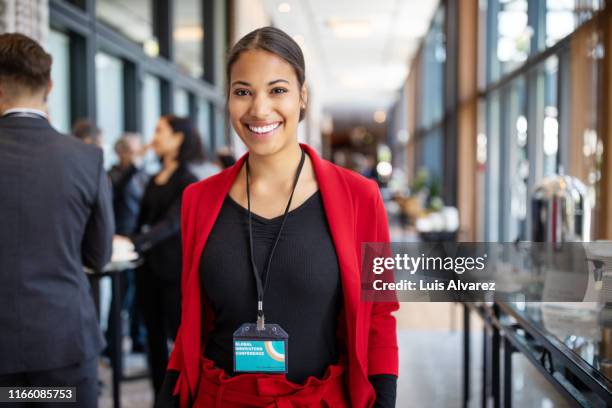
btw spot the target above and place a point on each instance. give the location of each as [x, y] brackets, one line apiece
[361, 73]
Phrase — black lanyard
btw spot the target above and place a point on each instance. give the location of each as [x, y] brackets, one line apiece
[262, 288]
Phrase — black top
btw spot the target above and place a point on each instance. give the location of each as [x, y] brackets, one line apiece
[159, 225]
[56, 217]
[304, 293]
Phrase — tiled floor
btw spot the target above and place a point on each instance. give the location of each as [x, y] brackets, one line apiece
[430, 343]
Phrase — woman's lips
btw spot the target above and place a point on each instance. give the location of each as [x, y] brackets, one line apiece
[262, 131]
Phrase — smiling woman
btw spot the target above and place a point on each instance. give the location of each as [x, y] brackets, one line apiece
[284, 226]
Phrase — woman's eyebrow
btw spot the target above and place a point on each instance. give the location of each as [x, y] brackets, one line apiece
[244, 83]
[240, 83]
[277, 81]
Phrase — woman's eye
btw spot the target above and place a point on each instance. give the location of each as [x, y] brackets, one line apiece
[279, 90]
[241, 92]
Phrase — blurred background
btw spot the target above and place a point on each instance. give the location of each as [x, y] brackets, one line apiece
[459, 109]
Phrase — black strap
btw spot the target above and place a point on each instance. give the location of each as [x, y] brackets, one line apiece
[262, 288]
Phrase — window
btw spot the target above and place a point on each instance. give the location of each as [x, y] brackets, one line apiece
[132, 18]
[432, 71]
[204, 125]
[510, 36]
[564, 16]
[109, 103]
[189, 37]
[151, 109]
[219, 128]
[432, 151]
[181, 102]
[58, 45]
[514, 161]
[550, 120]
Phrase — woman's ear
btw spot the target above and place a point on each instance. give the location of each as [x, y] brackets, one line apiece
[304, 96]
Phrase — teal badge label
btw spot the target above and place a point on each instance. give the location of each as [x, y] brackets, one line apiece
[260, 356]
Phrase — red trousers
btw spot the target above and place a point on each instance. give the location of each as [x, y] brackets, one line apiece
[218, 390]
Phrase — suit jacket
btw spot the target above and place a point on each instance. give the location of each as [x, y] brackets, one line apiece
[56, 216]
[356, 214]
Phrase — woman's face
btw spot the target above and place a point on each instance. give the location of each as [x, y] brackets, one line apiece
[166, 142]
[264, 101]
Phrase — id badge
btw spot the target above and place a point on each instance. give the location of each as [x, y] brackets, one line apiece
[260, 351]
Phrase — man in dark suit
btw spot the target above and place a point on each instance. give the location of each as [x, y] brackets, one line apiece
[56, 214]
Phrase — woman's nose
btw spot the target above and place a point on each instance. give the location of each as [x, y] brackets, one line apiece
[260, 107]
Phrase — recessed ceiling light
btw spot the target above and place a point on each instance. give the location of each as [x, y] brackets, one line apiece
[345, 28]
[188, 33]
[284, 8]
[380, 116]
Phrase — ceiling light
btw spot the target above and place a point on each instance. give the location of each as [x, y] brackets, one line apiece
[188, 33]
[350, 28]
[380, 116]
[284, 8]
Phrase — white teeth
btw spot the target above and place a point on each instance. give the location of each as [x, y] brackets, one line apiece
[263, 129]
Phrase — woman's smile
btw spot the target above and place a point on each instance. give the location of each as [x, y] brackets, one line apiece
[262, 131]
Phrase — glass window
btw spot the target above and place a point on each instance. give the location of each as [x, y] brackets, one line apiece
[432, 73]
[134, 19]
[151, 109]
[432, 151]
[189, 37]
[550, 125]
[204, 124]
[514, 161]
[181, 102]
[58, 45]
[564, 16]
[512, 43]
[109, 103]
[492, 113]
[219, 129]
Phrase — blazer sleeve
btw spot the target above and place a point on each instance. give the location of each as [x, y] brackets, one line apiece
[96, 249]
[382, 344]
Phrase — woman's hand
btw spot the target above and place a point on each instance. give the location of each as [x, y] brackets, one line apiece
[123, 249]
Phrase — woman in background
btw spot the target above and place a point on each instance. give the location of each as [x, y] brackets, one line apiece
[177, 144]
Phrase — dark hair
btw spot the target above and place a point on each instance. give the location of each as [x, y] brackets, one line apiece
[275, 41]
[24, 62]
[86, 131]
[191, 150]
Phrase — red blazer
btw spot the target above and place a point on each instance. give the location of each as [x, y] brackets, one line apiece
[355, 214]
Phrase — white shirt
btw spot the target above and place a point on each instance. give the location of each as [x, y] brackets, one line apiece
[26, 111]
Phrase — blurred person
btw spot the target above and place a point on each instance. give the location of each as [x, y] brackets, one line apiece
[205, 168]
[177, 144]
[56, 218]
[283, 223]
[87, 132]
[129, 182]
[225, 159]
